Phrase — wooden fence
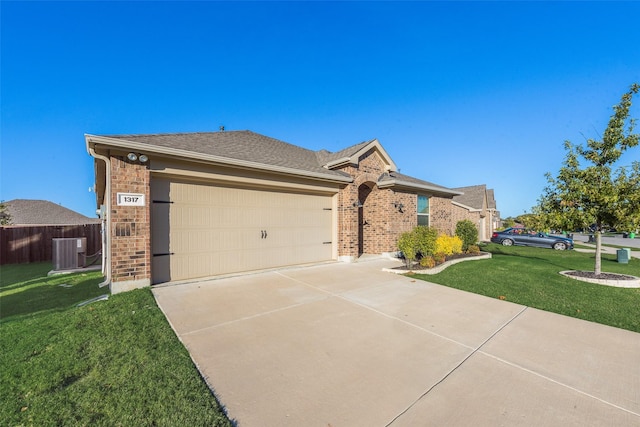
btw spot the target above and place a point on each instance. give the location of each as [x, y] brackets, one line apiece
[22, 244]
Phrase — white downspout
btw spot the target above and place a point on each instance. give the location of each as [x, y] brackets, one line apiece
[106, 221]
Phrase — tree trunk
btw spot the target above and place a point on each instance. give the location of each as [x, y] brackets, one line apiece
[598, 267]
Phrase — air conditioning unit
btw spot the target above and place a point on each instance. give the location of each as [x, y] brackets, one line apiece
[69, 253]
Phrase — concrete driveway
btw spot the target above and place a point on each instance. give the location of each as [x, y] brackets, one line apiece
[349, 345]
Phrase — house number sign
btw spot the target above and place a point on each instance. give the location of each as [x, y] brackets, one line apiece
[130, 199]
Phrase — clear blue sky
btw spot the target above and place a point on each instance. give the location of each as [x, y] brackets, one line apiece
[458, 93]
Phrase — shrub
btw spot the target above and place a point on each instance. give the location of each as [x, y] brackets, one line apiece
[428, 261]
[407, 243]
[456, 245]
[468, 232]
[440, 258]
[421, 240]
[426, 240]
[473, 249]
[448, 245]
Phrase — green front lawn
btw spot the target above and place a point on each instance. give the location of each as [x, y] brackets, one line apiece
[25, 289]
[529, 276]
[109, 363]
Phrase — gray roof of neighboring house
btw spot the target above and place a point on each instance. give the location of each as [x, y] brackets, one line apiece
[43, 212]
[491, 199]
[473, 197]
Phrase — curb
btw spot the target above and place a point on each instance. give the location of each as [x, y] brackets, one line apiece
[616, 283]
[437, 269]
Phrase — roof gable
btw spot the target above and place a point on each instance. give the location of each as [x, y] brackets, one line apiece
[491, 199]
[351, 155]
[474, 197]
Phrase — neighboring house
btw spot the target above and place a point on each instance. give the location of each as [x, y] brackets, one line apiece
[34, 224]
[43, 212]
[496, 222]
[478, 205]
[190, 205]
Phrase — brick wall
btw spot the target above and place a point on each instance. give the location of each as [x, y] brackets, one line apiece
[375, 227]
[440, 216]
[130, 225]
[486, 217]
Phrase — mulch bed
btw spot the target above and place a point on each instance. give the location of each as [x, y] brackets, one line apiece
[417, 267]
[601, 276]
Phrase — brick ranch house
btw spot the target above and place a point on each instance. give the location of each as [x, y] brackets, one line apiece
[190, 205]
[478, 205]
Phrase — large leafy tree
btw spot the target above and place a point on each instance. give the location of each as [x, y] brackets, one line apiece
[587, 191]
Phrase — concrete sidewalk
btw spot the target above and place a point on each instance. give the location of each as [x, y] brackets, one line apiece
[348, 345]
[633, 253]
[632, 244]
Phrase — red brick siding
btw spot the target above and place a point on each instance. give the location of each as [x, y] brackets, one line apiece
[130, 225]
[384, 221]
[440, 215]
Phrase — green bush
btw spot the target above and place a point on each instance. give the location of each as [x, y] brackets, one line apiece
[407, 244]
[428, 262]
[419, 241]
[426, 240]
[440, 258]
[473, 249]
[468, 232]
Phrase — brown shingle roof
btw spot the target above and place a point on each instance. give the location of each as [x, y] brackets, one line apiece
[264, 152]
[491, 199]
[325, 156]
[239, 145]
[473, 196]
[42, 212]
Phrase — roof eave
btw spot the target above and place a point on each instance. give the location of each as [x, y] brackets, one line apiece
[414, 186]
[469, 208]
[339, 162]
[93, 140]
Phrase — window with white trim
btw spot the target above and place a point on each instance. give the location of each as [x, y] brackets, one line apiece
[423, 210]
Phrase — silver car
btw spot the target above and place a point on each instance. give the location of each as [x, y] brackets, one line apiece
[523, 237]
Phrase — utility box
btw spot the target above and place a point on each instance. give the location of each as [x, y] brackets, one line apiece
[69, 253]
[623, 255]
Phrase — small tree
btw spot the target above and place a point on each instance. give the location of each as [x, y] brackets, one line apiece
[5, 217]
[468, 232]
[508, 222]
[581, 196]
[407, 244]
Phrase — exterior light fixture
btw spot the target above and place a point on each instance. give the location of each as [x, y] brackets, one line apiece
[133, 157]
[357, 204]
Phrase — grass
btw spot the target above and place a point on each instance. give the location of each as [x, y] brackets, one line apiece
[529, 276]
[25, 289]
[109, 363]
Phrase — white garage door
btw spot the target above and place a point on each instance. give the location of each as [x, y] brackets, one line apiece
[201, 230]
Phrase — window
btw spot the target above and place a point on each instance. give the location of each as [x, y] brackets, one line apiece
[423, 210]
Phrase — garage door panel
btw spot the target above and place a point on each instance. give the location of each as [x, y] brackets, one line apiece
[216, 230]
